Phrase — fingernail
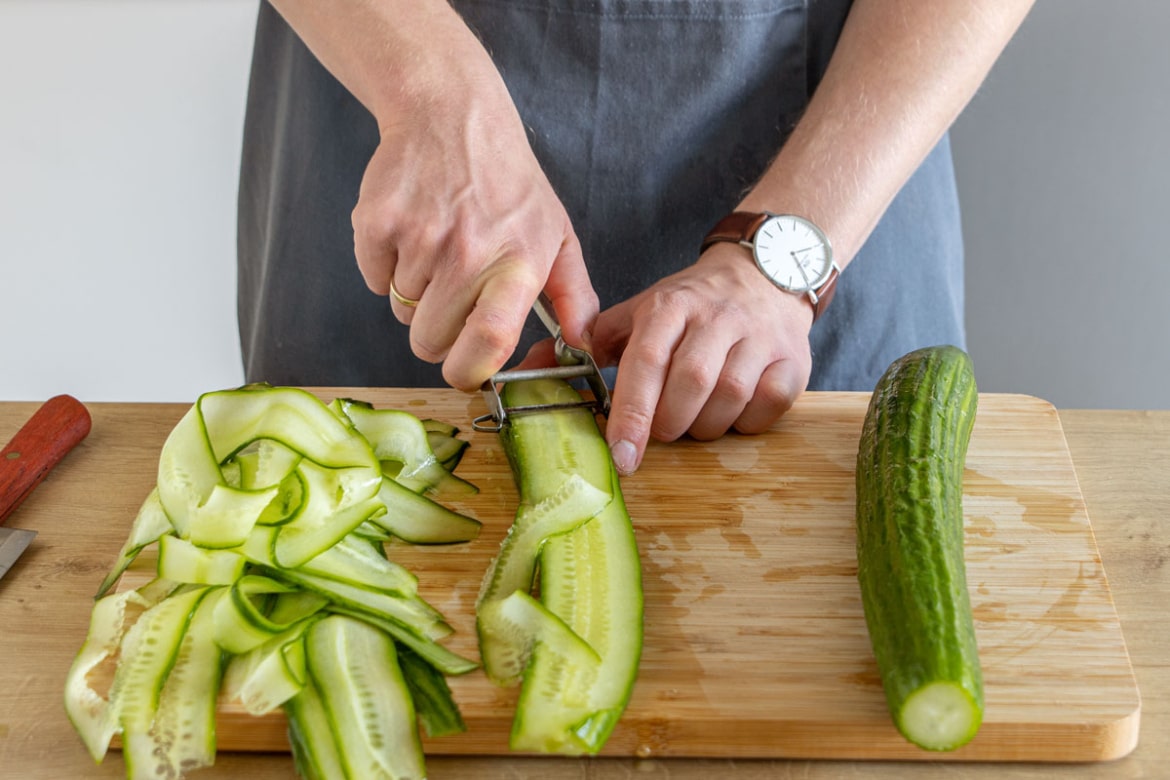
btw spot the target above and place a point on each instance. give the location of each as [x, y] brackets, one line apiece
[625, 457]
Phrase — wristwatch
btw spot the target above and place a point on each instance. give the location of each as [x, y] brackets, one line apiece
[792, 252]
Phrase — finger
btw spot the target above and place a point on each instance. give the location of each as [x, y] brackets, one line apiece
[403, 304]
[641, 372]
[696, 368]
[376, 253]
[611, 332]
[486, 337]
[734, 388]
[779, 387]
[540, 355]
[571, 292]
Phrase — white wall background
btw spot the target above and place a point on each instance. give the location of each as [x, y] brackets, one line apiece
[119, 144]
[119, 147]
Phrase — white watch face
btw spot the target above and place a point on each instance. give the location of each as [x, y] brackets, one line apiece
[793, 253]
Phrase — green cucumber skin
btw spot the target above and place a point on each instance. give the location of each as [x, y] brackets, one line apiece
[910, 541]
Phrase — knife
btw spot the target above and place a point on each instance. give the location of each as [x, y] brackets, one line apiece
[53, 430]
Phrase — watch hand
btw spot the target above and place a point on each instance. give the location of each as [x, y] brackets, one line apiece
[800, 267]
[806, 249]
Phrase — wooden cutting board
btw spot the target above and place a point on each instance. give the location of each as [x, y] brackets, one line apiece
[755, 642]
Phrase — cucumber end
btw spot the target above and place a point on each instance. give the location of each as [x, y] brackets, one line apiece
[940, 716]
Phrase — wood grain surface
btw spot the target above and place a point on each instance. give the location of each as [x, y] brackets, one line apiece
[755, 644]
[755, 641]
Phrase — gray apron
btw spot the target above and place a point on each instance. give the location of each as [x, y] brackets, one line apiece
[650, 117]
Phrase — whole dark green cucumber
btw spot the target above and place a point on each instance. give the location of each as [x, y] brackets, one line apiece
[910, 545]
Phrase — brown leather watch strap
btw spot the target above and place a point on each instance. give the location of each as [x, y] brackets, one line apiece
[824, 295]
[735, 227]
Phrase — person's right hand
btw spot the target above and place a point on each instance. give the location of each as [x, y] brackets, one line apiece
[455, 210]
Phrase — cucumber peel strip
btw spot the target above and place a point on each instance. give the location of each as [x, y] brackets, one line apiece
[182, 561]
[507, 635]
[203, 506]
[181, 735]
[93, 716]
[150, 524]
[269, 512]
[264, 678]
[401, 438]
[355, 668]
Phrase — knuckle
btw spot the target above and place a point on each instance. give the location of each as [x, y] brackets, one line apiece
[638, 418]
[649, 353]
[776, 395]
[425, 348]
[661, 431]
[371, 225]
[734, 387]
[667, 302]
[694, 374]
[431, 237]
[492, 328]
[705, 432]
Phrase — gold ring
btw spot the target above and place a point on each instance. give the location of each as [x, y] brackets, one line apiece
[400, 297]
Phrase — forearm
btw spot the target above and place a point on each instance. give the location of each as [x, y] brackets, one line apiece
[902, 72]
[393, 55]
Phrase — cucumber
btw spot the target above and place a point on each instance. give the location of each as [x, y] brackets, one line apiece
[182, 732]
[580, 645]
[316, 754]
[150, 524]
[910, 546]
[355, 668]
[266, 677]
[415, 518]
[151, 658]
[438, 714]
[274, 590]
[95, 717]
[182, 561]
[400, 438]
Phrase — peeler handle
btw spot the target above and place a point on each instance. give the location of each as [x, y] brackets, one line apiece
[53, 430]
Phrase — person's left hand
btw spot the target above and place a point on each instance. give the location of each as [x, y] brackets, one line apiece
[713, 347]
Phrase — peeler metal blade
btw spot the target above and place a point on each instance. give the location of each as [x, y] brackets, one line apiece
[573, 363]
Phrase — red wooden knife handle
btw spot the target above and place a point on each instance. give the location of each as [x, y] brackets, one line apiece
[48, 436]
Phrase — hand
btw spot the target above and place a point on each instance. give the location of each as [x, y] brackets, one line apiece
[713, 347]
[455, 210]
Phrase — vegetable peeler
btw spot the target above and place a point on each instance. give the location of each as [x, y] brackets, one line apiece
[572, 363]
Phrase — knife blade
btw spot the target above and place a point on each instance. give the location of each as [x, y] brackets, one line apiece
[13, 542]
[54, 429]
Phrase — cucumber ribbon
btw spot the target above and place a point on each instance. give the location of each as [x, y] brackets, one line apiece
[269, 514]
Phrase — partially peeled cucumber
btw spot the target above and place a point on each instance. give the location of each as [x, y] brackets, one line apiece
[910, 546]
[561, 606]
